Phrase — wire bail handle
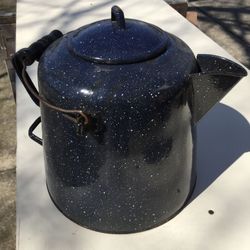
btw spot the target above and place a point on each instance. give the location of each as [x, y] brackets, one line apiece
[25, 57]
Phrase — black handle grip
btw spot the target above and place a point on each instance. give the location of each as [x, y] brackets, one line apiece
[27, 56]
[36, 49]
[32, 128]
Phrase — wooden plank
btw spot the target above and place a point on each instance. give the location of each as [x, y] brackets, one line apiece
[7, 17]
[179, 5]
[192, 17]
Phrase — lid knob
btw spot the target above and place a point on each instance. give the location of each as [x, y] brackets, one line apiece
[117, 17]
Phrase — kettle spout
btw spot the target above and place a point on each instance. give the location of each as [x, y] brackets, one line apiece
[216, 78]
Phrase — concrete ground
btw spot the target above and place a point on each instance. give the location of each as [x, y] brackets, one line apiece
[225, 21]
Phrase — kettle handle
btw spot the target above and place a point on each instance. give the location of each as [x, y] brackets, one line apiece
[25, 57]
[32, 128]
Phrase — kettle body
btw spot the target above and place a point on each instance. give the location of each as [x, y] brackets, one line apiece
[119, 105]
[137, 176]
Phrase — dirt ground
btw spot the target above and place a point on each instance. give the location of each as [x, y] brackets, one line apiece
[225, 21]
[7, 131]
[7, 161]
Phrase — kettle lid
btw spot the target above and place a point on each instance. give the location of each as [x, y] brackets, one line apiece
[118, 41]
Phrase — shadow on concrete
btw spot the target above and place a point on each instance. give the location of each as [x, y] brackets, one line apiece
[68, 14]
[223, 136]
